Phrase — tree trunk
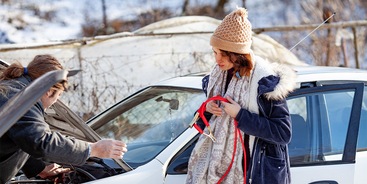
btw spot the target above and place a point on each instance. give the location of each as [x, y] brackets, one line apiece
[184, 7]
[219, 9]
[105, 26]
[244, 3]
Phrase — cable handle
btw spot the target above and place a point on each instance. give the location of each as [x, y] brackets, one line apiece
[203, 107]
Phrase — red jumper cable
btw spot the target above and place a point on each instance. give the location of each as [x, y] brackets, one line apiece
[200, 113]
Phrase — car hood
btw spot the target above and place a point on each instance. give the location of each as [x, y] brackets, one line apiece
[58, 116]
[63, 120]
[19, 104]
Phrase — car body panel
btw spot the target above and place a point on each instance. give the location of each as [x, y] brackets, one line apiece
[150, 173]
[360, 168]
[167, 154]
[339, 173]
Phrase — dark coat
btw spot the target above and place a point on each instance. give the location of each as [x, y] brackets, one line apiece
[31, 136]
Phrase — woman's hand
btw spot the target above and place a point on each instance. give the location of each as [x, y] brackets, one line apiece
[232, 108]
[213, 108]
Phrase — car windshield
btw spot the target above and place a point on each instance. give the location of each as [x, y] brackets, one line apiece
[150, 120]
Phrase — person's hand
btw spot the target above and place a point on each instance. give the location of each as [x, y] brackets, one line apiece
[108, 149]
[213, 108]
[52, 170]
[232, 108]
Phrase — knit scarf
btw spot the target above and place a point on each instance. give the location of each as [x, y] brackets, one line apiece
[210, 160]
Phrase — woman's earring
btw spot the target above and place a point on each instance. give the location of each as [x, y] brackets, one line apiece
[238, 75]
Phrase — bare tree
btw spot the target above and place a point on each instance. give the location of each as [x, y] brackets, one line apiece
[326, 13]
[185, 7]
[105, 26]
[219, 8]
[244, 3]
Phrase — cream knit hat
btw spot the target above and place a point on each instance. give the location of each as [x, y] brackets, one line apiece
[234, 33]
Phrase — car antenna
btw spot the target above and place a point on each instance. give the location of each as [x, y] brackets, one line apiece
[312, 31]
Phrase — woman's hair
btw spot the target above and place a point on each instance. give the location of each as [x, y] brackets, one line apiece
[40, 65]
[242, 63]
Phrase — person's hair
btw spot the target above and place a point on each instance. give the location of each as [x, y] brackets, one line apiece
[40, 65]
[242, 63]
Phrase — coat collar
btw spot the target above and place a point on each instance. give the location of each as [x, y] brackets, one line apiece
[275, 80]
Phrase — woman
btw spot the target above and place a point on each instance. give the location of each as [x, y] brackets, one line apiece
[256, 91]
[30, 139]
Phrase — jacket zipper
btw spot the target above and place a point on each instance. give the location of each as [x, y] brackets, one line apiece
[252, 165]
[255, 145]
[261, 107]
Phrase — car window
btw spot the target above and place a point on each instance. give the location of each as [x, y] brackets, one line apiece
[150, 120]
[320, 123]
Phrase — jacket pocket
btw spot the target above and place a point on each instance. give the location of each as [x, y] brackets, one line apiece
[274, 169]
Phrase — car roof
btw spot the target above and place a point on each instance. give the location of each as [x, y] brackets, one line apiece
[304, 74]
[327, 73]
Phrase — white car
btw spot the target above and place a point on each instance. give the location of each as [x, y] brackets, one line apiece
[329, 124]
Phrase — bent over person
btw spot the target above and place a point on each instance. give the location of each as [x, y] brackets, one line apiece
[31, 139]
[255, 108]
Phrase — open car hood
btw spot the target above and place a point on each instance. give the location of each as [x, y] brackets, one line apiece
[63, 120]
[20, 103]
[59, 116]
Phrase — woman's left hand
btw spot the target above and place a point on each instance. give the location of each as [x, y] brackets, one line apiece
[232, 108]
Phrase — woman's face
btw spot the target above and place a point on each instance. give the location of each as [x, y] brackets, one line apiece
[50, 97]
[222, 59]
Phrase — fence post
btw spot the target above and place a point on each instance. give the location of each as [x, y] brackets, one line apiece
[355, 46]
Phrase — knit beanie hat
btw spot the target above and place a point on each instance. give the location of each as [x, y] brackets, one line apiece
[233, 33]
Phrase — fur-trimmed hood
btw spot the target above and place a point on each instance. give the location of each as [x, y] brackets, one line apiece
[274, 80]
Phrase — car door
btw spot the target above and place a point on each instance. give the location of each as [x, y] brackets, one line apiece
[325, 124]
[325, 129]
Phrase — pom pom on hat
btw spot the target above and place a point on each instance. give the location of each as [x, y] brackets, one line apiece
[234, 33]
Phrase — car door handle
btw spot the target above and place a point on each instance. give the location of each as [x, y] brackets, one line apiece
[324, 182]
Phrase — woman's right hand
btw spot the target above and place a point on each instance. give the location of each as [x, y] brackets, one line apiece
[213, 108]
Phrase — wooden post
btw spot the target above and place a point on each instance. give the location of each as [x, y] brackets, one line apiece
[325, 15]
[328, 48]
[346, 63]
[355, 46]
